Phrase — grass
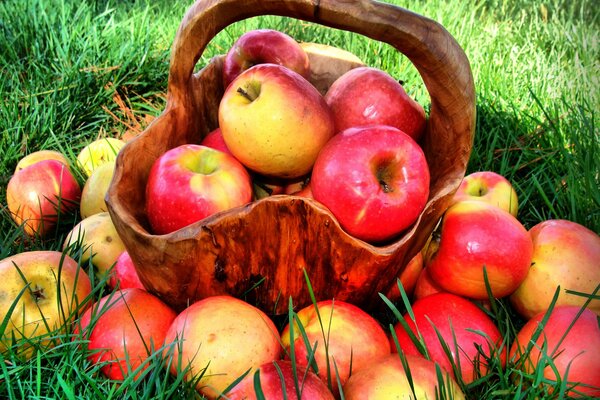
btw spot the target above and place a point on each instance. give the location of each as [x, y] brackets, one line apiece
[74, 71]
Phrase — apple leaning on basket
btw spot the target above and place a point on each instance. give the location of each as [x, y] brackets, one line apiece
[353, 148]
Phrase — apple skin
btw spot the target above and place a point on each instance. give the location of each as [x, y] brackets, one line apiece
[426, 286]
[374, 180]
[41, 155]
[475, 234]
[274, 121]
[34, 195]
[311, 386]
[261, 46]
[387, 380]
[490, 187]
[355, 339]
[39, 310]
[565, 254]
[223, 337]
[97, 153]
[214, 140]
[124, 275]
[452, 315]
[123, 329]
[94, 190]
[572, 348]
[408, 278]
[191, 182]
[370, 96]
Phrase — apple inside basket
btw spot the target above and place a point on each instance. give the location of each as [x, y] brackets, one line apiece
[265, 250]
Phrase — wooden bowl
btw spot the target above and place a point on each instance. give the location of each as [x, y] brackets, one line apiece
[262, 251]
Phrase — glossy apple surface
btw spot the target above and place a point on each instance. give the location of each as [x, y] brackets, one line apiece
[425, 286]
[475, 235]
[490, 187]
[354, 339]
[124, 275]
[567, 348]
[274, 121]
[565, 254]
[37, 194]
[220, 337]
[374, 179]
[453, 317]
[408, 278]
[370, 96]
[214, 139]
[123, 329]
[47, 290]
[41, 155]
[191, 182]
[94, 190]
[261, 46]
[98, 152]
[387, 380]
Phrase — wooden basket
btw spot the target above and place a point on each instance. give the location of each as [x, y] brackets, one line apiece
[260, 251]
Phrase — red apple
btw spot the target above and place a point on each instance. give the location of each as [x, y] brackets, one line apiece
[354, 339]
[374, 179]
[37, 194]
[567, 349]
[408, 278]
[274, 121]
[277, 376]
[214, 139]
[453, 317]
[425, 286]
[490, 187]
[477, 235]
[261, 46]
[190, 182]
[387, 379]
[370, 96]
[565, 254]
[124, 328]
[124, 275]
[220, 338]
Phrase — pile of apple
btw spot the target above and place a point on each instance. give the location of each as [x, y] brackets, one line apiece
[277, 132]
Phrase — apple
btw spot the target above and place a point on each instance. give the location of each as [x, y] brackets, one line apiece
[37, 195]
[370, 96]
[565, 254]
[217, 339]
[408, 278]
[490, 187]
[346, 338]
[214, 139]
[274, 121]
[41, 155]
[47, 289]
[425, 285]
[278, 381]
[98, 152]
[476, 235]
[374, 180]
[454, 317]
[124, 275]
[123, 330]
[387, 380]
[262, 46]
[95, 239]
[191, 182]
[566, 349]
[94, 190]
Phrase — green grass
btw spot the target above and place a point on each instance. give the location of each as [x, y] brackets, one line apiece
[63, 63]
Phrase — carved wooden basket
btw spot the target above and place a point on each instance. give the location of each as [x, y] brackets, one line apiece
[260, 251]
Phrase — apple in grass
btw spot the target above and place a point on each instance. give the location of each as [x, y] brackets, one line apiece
[565, 254]
[37, 194]
[370, 96]
[474, 236]
[191, 182]
[41, 155]
[565, 349]
[262, 46]
[94, 190]
[408, 278]
[490, 187]
[218, 339]
[41, 294]
[274, 121]
[97, 153]
[124, 275]
[374, 179]
[347, 339]
[123, 330]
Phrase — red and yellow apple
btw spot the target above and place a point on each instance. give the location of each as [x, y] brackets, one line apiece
[477, 235]
[426, 286]
[191, 182]
[565, 254]
[274, 121]
[490, 187]
[124, 275]
[408, 278]
[373, 179]
[41, 155]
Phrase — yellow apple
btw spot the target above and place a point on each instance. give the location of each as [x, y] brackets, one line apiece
[97, 153]
[41, 155]
[94, 190]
